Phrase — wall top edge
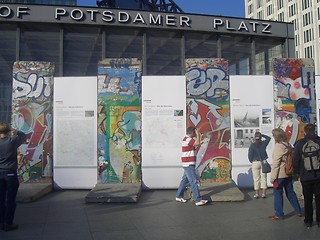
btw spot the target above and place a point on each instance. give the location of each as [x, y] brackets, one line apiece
[142, 19]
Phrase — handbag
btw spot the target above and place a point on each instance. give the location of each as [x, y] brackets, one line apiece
[265, 166]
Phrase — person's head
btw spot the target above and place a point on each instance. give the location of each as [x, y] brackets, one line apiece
[279, 135]
[310, 129]
[257, 137]
[4, 128]
[191, 131]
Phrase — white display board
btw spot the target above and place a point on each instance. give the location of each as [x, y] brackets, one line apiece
[251, 109]
[75, 132]
[163, 127]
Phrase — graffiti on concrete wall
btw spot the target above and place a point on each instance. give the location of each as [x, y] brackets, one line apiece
[294, 95]
[119, 121]
[32, 107]
[208, 109]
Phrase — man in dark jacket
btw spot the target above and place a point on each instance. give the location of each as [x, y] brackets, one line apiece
[310, 179]
[9, 182]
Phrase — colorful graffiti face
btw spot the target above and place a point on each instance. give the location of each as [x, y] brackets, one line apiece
[294, 95]
[119, 121]
[32, 114]
[208, 110]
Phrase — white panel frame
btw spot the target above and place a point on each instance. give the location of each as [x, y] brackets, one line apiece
[162, 130]
[76, 96]
[256, 93]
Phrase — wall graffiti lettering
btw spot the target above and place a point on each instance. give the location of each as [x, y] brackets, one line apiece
[34, 87]
[119, 121]
[32, 113]
[294, 95]
[207, 81]
[208, 110]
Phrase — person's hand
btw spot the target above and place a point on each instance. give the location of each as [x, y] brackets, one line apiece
[198, 133]
[271, 181]
[13, 132]
[198, 136]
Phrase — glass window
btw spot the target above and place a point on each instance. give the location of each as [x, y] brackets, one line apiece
[82, 50]
[266, 51]
[281, 17]
[308, 52]
[163, 53]
[237, 49]
[123, 43]
[305, 4]
[7, 50]
[40, 43]
[269, 10]
[5, 99]
[260, 15]
[7, 58]
[200, 45]
[280, 4]
[259, 3]
[250, 9]
[292, 10]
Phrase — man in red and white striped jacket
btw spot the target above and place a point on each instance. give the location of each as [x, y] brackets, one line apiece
[189, 145]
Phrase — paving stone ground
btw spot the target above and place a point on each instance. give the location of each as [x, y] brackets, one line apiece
[65, 215]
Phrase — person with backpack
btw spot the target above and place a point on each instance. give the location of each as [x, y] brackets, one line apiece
[279, 177]
[306, 161]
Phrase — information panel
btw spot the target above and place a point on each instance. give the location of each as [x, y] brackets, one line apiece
[75, 132]
[163, 127]
[251, 110]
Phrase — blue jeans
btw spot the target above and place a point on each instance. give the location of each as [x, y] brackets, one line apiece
[286, 184]
[9, 185]
[189, 178]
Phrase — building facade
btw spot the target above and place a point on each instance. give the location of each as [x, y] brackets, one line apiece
[53, 2]
[77, 38]
[304, 14]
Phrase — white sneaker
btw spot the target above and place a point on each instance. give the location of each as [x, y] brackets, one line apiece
[181, 200]
[202, 202]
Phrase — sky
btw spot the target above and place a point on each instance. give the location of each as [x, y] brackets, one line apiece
[229, 8]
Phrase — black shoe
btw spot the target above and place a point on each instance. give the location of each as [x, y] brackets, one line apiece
[11, 227]
[1, 226]
[308, 225]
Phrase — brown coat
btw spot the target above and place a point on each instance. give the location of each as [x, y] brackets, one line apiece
[278, 161]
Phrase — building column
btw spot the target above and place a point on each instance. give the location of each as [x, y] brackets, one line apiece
[183, 54]
[252, 62]
[219, 46]
[18, 33]
[144, 53]
[103, 54]
[266, 62]
[61, 50]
